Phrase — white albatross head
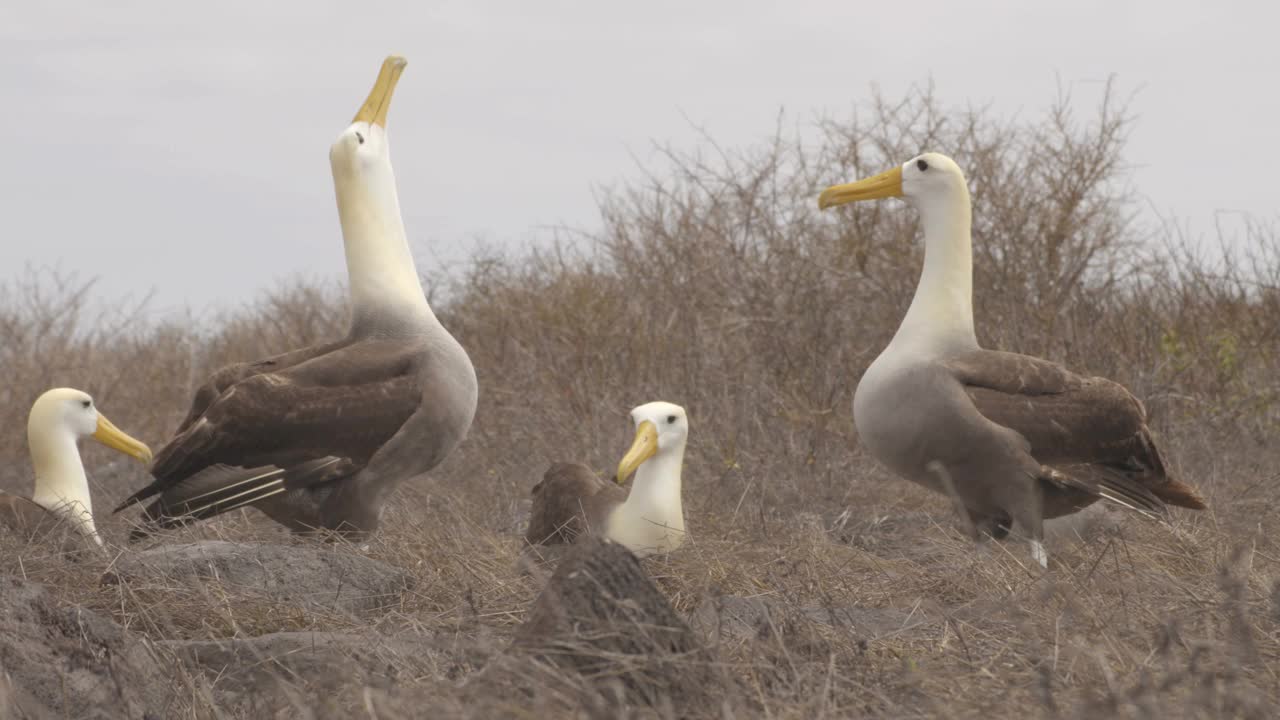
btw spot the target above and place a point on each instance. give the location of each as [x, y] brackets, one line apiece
[383, 277]
[58, 419]
[361, 150]
[940, 319]
[921, 180]
[661, 431]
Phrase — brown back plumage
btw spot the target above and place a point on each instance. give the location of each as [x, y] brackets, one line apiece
[569, 502]
[1089, 433]
[340, 401]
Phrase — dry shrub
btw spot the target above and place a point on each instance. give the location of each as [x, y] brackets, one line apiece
[714, 282]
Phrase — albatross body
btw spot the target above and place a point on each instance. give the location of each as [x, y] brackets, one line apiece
[58, 419]
[317, 438]
[571, 501]
[1011, 438]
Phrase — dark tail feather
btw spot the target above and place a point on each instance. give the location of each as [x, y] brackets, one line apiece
[1176, 492]
[168, 463]
[138, 497]
[1113, 485]
[221, 488]
[1123, 490]
[214, 490]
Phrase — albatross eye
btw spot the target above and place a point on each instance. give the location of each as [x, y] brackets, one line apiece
[671, 419]
[922, 164]
[87, 404]
[360, 139]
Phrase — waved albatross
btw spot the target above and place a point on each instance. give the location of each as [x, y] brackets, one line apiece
[319, 437]
[571, 500]
[1012, 438]
[58, 419]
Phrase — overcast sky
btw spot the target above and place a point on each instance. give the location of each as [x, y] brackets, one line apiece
[183, 147]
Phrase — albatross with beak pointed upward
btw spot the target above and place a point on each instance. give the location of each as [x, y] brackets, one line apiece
[58, 419]
[649, 520]
[1012, 438]
[318, 438]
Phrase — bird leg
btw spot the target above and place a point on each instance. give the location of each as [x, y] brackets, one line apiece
[1039, 554]
[971, 521]
[1030, 518]
[995, 526]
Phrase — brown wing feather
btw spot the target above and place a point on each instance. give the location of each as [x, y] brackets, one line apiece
[268, 420]
[1012, 373]
[219, 488]
[1090, 433]
[568, 502]
[227, 376]
[345, 405]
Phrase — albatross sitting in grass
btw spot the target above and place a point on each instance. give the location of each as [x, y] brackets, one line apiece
[571, 500]
[1010, 438]
[58, 419]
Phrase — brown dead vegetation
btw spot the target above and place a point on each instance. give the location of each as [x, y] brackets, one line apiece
[822, 586]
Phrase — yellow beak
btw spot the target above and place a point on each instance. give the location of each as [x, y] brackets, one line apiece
[111, 436]
[642, 448]
[886, 184]
[374, 110]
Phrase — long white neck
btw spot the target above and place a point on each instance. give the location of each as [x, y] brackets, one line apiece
[655, 494]
[61, 485]
[651, 520]
[940, 319]
[385, 290]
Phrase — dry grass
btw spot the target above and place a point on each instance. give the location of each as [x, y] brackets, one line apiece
[715, 283]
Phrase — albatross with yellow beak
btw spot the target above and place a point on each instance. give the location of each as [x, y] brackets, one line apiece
[58, 419]
[318, 438]
[571, 501]
[1012, 438]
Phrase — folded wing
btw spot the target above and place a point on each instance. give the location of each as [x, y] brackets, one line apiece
[1089, 434]
[270, 420]
[568, 502]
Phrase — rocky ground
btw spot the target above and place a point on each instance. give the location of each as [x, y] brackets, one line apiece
[881, 608]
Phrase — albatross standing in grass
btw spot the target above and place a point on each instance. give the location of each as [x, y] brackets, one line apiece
[571, 500]
[58, 419]
[1009, 437]
[318, 438]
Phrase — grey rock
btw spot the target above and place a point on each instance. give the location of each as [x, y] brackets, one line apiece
[322, 577]
[69, 662]
[325, 674]
[733, 618]
[601, 618]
